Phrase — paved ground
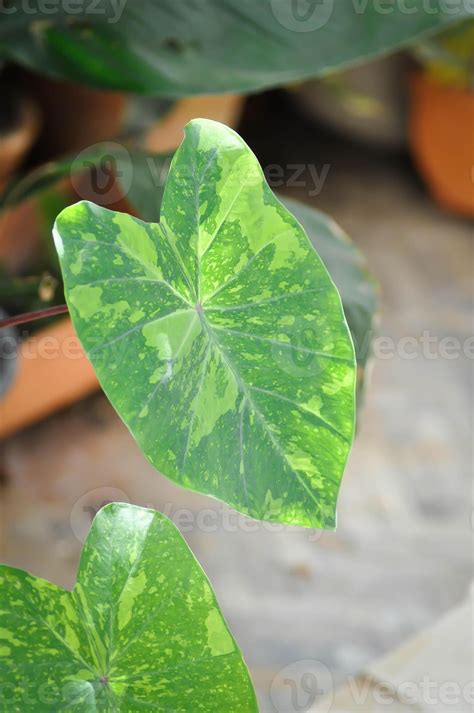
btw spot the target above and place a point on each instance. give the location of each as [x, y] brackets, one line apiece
[402, 553]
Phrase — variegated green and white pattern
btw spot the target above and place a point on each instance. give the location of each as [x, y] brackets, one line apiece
[218, 334]
[140, 631]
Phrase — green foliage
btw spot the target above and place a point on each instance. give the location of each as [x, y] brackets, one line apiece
[141, 178]
[218, 334]
[141, 629]
[347, 267]
[190, 47]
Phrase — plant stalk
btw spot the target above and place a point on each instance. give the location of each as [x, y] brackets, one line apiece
[32, 316]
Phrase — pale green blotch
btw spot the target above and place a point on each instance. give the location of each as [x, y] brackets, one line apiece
[9, 636]
[314, 405]
[218, 638]
[228, 145]
[160, 340]
[303, 463]
[86, 299]
[70, 637]
[164, 372]
[69, 609]
[272, 506]
[217, 396]
[174, 334]
[136, 316]
[115, 310]
[287, 251]
[235, 176]
[262, 296]
[136, 241]
[334, 387]
[133, 588]
[76, 266]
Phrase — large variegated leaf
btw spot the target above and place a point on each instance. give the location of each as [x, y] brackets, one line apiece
[218, 334]
[344, 261]
[140, 631]
[179, 47]
[348, 269]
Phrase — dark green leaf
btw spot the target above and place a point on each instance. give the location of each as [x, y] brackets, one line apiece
[137, 174]
[195, 46]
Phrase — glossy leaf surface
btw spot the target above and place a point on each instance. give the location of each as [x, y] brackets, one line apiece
[140, 631]
[218, 334]
[347, 267]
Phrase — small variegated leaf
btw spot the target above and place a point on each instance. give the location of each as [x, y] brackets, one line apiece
[140, 631]
[218, 334]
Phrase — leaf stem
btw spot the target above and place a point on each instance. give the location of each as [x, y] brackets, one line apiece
[31, 316]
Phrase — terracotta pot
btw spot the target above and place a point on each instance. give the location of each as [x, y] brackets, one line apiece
[75, 116]
[442, 141]
[52, 370]
[167, 134]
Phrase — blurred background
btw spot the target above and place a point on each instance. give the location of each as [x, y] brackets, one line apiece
[380, 148]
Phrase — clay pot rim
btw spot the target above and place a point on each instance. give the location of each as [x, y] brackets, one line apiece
[423, 76]
[26, 126]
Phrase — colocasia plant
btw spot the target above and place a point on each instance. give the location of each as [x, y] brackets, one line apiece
[217, 333]
[221, 340]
